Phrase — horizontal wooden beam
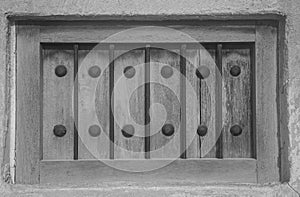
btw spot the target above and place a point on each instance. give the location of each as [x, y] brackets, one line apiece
[21, 18]
[150, 34]
[197, 170]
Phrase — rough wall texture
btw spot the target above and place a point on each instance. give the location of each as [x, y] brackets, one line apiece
[164, 8]
[293, 44]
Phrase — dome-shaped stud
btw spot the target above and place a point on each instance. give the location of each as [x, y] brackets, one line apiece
[129, 72]
[236, 130]
[60, 70]
[166, 71]
[128, 131]
[94, 130]
[94, 71]
[168, 129]
[202, 130]
[59, 130]
[202, 72]
[235, 71]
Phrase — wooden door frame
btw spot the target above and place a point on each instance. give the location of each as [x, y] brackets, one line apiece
[29, 167]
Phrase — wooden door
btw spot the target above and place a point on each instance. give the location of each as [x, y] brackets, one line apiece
[147, 103]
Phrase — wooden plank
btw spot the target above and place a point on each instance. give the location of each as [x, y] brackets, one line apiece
[165, 102]
[208, 103]
[57, 104]
[266, 108]
[283, 110]
[93, 108]
[218, 104]
[75, 102]
[236, 102]
[175, 33]
[147, 102]
[111, 70]
[192, 104]
[201, 110]
[199, 171]
[183, 68]
[129, 104]
[28, 105]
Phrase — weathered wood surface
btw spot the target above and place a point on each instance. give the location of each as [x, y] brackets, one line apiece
[93, 104]
[178, 34]
[196, 170]
[165, 103]
[57, 104]
[200, 110]
[129, 104]
[236, 103]
[266, 104]
[28, 116]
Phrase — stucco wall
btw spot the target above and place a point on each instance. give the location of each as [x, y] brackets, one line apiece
[98, 9]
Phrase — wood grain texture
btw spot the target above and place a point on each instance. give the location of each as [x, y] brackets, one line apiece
[93, 105]
[196, 170]
[205, 33]
[207, 104]
[57, 104]
[218, 104]
[236, 103]
[129, 104]
[28, 105]
[183, 93]
[266, 108]
[165, 103]
[200, 111]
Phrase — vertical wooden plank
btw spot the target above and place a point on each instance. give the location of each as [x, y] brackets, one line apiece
[129, 104]
[28, 105]
[75, 102]
[236, 97]
[201, 111]
[165, 102]
[147, 102]
[111, 70]
[93, 108]
[283, 110]
[266, 108]
[193, 104]
[12, 101]
[218, 105]
[208, 103]
[183, 101]
[57, 103]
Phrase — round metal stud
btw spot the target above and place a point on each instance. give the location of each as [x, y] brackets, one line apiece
[166, 71]
[60, 70]
[128, 131]
[236, 130]
[94, 130]
[129, 72]
[202, 130]
[235, 71]
[202, 72]
[59, 130]
[94, 71]
[168, 129]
